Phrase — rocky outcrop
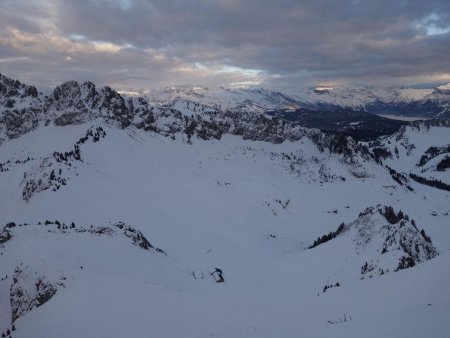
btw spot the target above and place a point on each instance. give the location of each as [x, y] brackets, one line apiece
[51, 171]
[20, 107]
[32, 287]
[74, 102]
[120, 228]
[14, 89]
[389, 240]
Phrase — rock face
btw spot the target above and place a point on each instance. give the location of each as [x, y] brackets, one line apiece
[74, 102]
[388, 240]
[20, 106]
[137, 237]
[12, 90]
[5, 236]
[32, 287]
[399, 234]
[71, 118]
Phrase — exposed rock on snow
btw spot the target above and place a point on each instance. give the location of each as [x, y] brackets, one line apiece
[32, 287]
[137, 237]
[51, 172]
[380, 230]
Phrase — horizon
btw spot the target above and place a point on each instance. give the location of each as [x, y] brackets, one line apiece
[46, 90]
[136, 44]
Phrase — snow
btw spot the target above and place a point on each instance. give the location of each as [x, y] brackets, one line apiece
[444, 87]
[412, 144]
[402, 118]
[359, 97]
[414, 93]
[255, 100]
[219, 203]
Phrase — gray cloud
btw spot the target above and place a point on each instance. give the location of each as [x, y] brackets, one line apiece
[134, 44]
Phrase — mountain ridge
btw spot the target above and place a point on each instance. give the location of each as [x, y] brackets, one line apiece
[207, 113]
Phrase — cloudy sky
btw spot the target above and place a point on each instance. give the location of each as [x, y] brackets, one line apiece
[140, 44]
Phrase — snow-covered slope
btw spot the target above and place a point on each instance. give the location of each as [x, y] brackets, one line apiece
[249, 208]
[419, 149]
[112, 225]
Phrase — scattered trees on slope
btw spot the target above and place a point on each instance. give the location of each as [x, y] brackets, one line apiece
[435, 183]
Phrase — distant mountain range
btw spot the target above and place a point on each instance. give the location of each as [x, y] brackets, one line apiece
[343, 110]
[427, 103]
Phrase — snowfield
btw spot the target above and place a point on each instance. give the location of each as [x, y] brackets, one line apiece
[250, 208]
[118, 215]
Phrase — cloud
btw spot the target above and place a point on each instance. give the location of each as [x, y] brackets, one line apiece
[134, 44]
